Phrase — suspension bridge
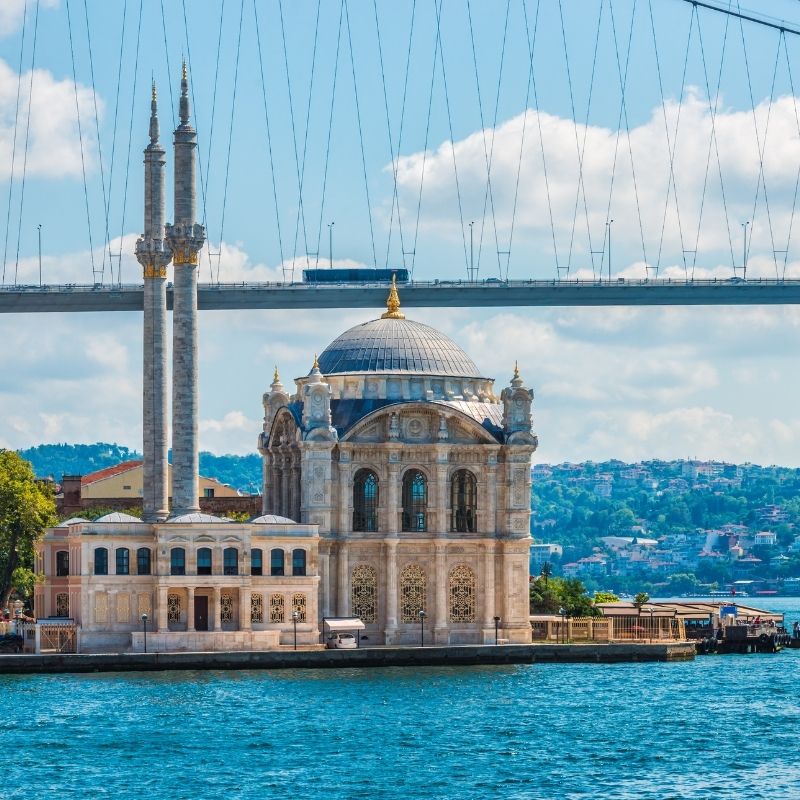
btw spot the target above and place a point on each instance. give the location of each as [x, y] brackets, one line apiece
[699, 211]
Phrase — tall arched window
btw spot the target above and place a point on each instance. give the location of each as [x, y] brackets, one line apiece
[463, 502]
[462, 594]
[230, 561]
[101, 561]
[364, 592]
[204, 561]
[62, 563]
[256, 561]
[143, 561]
[365, 501]
[123, 561]
[177, 561]
[276, 559]
[415, 501]
[412, 593]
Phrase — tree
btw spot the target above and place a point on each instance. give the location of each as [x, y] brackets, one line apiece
[605, 597]
[547, 571]
[26, 509]
[640, 600]
[548, 597]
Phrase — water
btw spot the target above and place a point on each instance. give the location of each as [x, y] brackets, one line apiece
[720, 727]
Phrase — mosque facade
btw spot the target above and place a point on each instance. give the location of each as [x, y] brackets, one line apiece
[396, 488]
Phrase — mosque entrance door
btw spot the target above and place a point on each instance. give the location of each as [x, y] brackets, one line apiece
[200, 613]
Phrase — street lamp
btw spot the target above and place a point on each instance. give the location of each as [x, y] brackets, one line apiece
[295, 617]
[144, 628]
[496, 629]
[563, 612]
[422, 616]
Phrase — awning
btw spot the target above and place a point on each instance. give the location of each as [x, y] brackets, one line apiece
[336, 624]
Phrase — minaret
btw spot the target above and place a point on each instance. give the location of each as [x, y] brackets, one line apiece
[154, 255]
[185, 238]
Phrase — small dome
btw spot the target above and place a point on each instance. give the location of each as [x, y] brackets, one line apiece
[396, 345]
[272, 519]
[198, 517]
[118, 516]
[71, 521]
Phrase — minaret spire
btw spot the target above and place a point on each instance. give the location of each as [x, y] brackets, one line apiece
[154, 116]
[184, 102]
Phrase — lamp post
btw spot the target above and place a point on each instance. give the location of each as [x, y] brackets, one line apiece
[295, 617]
[144, 628]
[496, 629]
[422, 616]
[563, 612]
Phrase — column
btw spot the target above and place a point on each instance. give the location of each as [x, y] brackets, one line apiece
[441, 634]
[244, 609]
[190, 609]
[441, 522]
[163, 622]
[391, 590]
[488, 598]
[215, 611]
[343, 594]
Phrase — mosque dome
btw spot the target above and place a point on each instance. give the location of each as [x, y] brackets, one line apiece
[196, 517]
[118, 516]
[272, 519]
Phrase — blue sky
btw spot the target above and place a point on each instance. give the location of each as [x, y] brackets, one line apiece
[630, 383]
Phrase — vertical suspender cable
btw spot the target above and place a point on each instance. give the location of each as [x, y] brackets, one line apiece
[169, 68]
[14, 140]
[797, 179]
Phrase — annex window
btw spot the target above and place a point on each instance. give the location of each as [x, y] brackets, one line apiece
[365, 501]
[62, 605]
[62, 563]
[256, 561]
[226, 608]
[123, 561]
[143, 561]
[276, 557]
[276, 608]
[298, 561]
[364, 593]
[208, 492]
[177, 561]
[257, 607]
[462, 594]
[299, 606]
[174, 603]
[230, 561]
[101, 561]
[412, 593]
[204, 561]
[463, 502]
[415, 501]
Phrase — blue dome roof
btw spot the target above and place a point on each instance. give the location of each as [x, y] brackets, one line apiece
[396, 345]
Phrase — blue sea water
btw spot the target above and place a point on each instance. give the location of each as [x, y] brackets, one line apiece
[720, 727]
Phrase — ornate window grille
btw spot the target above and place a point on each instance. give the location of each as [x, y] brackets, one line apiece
[62, 605]
[226, 608]
[412, 593]
[123, 607]
[204, 561]
[462, 594]
[101, 561]
[123, 561]
[143, 561]
[415, 501]
[144, 604]
[173, 607]
[463, 502]
[257, 608]
[101, 607]
[365, 501]
[62, 563]
[177, 561]
[364, 592]
[276, 607]
[299, 605]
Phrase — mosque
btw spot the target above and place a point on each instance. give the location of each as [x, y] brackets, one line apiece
[396, 487]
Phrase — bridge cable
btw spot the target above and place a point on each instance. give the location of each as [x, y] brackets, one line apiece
[394, 157]
[761, 181]
[360, 134]
[797, 179]
[532, 78]
[488, 154]
[671, 143]
[437, 5]
[80, 140]
[330, 129]
[269, 135]
[130, 139]
[230, 138]
[97, 134]
[14, 140]
[169, 68]
[581, 189]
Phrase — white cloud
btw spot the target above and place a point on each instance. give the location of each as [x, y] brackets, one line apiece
[12, 12]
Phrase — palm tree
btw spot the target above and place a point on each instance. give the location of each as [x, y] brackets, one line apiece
[640, 599]
[547, 571]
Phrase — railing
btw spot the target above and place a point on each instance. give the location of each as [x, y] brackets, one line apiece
[609, 629]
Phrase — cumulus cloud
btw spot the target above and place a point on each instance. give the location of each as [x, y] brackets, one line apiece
[13, 11]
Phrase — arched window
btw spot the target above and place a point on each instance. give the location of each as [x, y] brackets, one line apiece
[177, 561]
[276, 562]
[298, 561]
[230, 561]
[123, 561]
[62, 563]
[364, 592]
[256, 561]
[463, 502]
[365, 501]
[415, 501]
[143, 561]
[101, 561]
[412, 593]
[462, 594]
[204, 561]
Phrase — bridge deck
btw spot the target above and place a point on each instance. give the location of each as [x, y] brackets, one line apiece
[228, 296]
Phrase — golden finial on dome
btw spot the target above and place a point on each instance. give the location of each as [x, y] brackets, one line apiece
[516, 370]
[275, 377]
[316, 362]
[393, 302]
